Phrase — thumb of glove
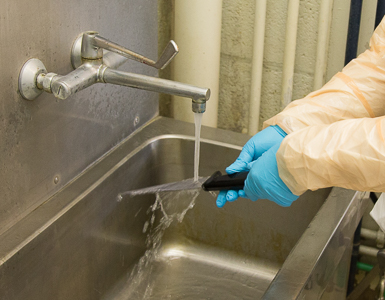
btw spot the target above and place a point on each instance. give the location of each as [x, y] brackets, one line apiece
[238, 166]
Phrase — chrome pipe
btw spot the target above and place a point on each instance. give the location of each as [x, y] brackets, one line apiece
[79, 79]
[377, 236]
[93, 66]
[198, 95]
[369, 251]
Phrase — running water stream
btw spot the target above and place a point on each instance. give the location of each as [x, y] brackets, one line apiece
[173, 207]
[198, 124]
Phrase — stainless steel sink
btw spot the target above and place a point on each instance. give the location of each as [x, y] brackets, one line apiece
[85, 244]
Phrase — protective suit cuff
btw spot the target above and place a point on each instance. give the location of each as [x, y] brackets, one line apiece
[285, 175]
[279, 130]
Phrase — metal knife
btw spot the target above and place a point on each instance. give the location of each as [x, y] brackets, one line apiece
[215, 182]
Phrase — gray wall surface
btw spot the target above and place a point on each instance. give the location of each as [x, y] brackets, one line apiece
[48, 138]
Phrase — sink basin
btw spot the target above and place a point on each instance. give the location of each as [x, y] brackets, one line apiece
[86, 243]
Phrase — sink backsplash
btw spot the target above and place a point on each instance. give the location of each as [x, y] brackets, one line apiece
[45, 143]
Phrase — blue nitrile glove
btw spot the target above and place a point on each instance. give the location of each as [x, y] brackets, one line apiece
[263, 181]
[253, 149]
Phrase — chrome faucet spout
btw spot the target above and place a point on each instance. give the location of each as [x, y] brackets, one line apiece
[198, 95]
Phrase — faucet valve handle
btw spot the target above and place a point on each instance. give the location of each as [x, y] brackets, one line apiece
[167, 55]
[92, 43]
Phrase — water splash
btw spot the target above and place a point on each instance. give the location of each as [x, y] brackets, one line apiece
[173, 207]
[187, 184]
[214, 194]
[119, 197]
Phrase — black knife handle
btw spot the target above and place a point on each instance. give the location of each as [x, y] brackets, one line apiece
[218, 182]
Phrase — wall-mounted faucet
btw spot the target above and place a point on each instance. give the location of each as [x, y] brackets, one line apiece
[92, 65]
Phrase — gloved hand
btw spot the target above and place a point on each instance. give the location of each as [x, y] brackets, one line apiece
[263, 181]
[251, 153]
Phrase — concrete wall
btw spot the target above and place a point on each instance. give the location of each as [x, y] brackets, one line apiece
[236, 55]
[236, 58]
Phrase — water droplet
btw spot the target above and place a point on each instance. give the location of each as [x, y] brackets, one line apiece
[212, 193]
[145, 227]
[136, 120]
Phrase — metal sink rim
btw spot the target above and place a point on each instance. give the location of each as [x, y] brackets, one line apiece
[346, 212]
[46, 214]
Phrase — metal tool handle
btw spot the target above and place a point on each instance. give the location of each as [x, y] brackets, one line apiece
[92, 42]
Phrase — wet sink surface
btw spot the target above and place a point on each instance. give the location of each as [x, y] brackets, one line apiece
[196, 250]
[190, 275]
[85, 244]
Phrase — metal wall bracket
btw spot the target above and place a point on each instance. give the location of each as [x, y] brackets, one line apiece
[28, 78]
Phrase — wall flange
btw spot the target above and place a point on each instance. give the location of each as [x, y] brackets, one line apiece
[28, 78]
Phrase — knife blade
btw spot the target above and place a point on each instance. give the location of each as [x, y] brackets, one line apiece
[215, 182]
